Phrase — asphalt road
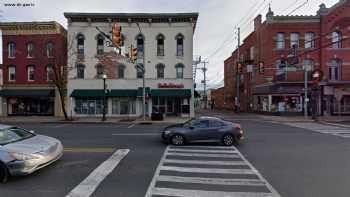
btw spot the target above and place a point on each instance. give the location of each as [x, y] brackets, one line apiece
[294, 161]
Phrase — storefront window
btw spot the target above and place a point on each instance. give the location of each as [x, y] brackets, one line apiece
[88, 106]
[123, 106]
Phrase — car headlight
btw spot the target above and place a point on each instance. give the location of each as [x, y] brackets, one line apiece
[23, 157]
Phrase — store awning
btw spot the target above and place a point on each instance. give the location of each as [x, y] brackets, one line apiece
[172, 92]
[87, 93]
[123, 93]
[139, 91]
[27, 93]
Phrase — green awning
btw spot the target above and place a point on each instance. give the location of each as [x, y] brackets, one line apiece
[123, 93]
[139, 91]
[87, 93]
[172, 92]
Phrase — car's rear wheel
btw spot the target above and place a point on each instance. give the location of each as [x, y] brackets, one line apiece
[177, 140]
[3, 173]
[228, 140]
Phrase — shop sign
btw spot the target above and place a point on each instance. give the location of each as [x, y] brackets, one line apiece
[170, 85]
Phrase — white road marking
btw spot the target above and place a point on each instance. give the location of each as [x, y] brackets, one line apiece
[134, 134]
[202, 155]
[214, 181]
[202, 193]
[208, 170]
[87, 187]
[131, 126]
[202, 151]
[206, 162]
[199, 172]
[324, 129]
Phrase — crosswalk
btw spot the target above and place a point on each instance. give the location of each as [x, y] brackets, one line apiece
[323, 128]
[207, 171]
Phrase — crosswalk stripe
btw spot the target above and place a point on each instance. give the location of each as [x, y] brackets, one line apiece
[206, 147]
[206, 162]
[208, 170]
[87, 187]
[202, 155]
[202, 193]
[213, 181]
[202, 151]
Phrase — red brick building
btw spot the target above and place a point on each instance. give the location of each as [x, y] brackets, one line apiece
[320, 42]
[30, 51]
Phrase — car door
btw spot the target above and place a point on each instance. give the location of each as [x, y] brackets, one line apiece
[216, 129]
[199, 130]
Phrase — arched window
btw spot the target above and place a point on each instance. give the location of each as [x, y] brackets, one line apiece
[160, 70]
[31, 73]
[179, 70]
[294, 40]
[334, 70]
[49, 49]
[80, 71]
[179, 45]
[140, 41]
[160, 45]
[100, 44]
[30, 50]
[100, 70]
[49, 72]
[280, 40]
[12, 73]
[11, 47]
[80, 44]
[336, 40]
[121, 71]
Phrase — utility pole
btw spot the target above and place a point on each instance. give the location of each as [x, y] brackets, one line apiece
[205, 98]
[237, 73]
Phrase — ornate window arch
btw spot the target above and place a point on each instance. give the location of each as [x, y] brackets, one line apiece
[80, 71]
[121, 71]
[179, 70]
[49, 49]
[100, 39]
[337, 39]
[30, 49]
[334, 69]
[179, 44]
[80, 43]
[11, 48]
[160, 44]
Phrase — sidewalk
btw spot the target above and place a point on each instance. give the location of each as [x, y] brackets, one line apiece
[88, 120]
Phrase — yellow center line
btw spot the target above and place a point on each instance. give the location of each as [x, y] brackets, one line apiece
[88, 150]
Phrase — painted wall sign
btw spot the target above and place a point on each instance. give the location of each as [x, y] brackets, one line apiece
[170, 85]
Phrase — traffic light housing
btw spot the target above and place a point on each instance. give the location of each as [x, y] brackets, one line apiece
[239, 68]
[133, 54]
[117, 35]
[261, 67]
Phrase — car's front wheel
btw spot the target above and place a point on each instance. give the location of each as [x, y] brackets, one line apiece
[228, 140]
[3, 173]
[177, 140]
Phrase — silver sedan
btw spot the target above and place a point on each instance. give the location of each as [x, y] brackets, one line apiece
[22, 152]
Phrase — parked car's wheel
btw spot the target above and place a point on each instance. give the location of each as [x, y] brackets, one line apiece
[3, 173]
[177, 140]
[228, 140]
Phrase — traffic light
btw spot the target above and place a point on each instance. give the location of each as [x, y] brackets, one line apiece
[117, 35]
[133, 54]
[239, 68]
[261, 67]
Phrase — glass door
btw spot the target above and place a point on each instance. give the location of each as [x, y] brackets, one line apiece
[91, 107]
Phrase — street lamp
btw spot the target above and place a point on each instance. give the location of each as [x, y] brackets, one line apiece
[104, 77]
[143, 77]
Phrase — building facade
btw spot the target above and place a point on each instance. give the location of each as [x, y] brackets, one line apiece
[319, 43]
[165, 41]
[31, 50]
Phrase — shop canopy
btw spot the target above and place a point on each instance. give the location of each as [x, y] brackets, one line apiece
[171, 92]
[139, 91]
[27, 93]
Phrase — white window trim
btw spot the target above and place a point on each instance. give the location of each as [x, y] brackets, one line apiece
[9, 73]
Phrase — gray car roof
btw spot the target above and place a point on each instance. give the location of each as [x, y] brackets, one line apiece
[210, 118]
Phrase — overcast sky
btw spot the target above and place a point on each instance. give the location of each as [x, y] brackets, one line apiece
[215, 33]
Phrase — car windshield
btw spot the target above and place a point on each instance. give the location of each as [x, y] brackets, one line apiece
[13, 134]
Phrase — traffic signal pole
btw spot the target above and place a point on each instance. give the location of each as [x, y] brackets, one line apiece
[237, 73]
[306, 100]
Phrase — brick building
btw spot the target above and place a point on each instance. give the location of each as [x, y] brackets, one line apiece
[319, 42]
[31, 51]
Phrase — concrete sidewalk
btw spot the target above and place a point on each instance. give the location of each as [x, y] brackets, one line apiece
[88, 120]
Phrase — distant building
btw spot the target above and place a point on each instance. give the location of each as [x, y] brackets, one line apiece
[321, 43]
[30, 50]
[166, 40]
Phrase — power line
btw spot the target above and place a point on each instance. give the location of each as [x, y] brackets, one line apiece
[289, 6]
[297, 8]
